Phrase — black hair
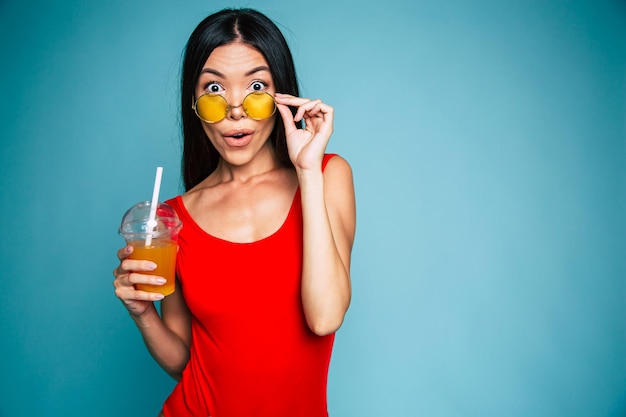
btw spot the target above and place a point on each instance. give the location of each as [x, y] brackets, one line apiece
[253, 28]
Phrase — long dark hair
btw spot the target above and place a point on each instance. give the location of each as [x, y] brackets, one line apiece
[253, 28]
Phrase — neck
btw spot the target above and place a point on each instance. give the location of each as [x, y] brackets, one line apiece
[262, 163]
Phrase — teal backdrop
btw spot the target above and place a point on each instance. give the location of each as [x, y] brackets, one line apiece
[488, 142]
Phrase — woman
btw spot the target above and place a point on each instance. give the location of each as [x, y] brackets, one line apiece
[269, 222]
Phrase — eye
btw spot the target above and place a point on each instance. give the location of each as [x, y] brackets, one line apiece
[258, 86]
[213, 87]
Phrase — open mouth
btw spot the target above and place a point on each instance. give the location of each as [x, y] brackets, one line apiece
[238, 133]
[238, 137]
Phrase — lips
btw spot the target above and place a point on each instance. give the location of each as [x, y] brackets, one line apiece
[238, 137]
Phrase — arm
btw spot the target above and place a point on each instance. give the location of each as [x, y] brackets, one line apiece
[328, 210]
[329, 221]
[168, 336]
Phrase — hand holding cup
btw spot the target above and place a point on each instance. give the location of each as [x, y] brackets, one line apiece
[132, 272]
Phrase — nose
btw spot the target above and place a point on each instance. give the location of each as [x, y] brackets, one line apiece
[236, 112]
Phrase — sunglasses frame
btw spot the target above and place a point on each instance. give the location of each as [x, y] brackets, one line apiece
[229, 107]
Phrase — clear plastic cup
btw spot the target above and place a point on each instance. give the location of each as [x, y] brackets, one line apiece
[156, 242]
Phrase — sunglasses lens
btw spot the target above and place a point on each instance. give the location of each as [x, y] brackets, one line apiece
[259, 105]
[211, 107]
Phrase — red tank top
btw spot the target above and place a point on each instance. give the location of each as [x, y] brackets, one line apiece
[252, 353]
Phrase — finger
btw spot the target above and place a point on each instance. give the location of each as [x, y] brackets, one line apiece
[317, 109]
[129, 281]
[137, 265]
[124, 252]
[304, 105]
[117, 271]
[135, 278]
[130, 294]
[288, 119]
[147, 296]
[319, 119]
[290, 100]
[293, 101]
[307, 108]
[320, 108]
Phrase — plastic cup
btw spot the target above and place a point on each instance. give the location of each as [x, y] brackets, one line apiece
[155, 241]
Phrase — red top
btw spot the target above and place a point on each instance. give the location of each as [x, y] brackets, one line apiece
[252, 353]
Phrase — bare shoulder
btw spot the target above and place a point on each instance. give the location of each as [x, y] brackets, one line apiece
[339, 194]
[337, 166]
[338, 179]
[190, 197]
[200, 195]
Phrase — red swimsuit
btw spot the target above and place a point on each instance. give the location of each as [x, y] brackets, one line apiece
[252, 354]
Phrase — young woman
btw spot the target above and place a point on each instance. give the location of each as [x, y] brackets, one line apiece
[263, 266]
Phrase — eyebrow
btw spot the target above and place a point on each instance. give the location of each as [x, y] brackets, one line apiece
[219, 74]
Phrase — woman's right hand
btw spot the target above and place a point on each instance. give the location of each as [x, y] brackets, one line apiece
[129, 273]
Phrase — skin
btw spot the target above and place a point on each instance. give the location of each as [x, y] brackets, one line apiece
[247, 198]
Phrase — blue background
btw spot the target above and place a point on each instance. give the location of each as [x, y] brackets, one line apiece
[488, 142]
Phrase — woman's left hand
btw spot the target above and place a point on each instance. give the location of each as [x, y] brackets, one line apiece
[306, 146]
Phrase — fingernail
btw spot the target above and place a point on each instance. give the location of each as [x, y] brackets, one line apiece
[128, 249]
[160, 281]
[159, 296]
[151, 265]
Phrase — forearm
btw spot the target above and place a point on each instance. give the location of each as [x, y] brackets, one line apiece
[165, 346]
[326, 286]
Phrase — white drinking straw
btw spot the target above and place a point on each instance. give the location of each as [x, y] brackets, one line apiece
[153, 206]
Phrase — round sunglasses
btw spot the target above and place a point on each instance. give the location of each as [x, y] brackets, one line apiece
[212, 108]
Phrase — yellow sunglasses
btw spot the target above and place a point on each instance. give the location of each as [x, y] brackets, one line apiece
[212, 108]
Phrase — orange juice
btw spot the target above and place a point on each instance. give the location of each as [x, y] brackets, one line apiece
[163, 254]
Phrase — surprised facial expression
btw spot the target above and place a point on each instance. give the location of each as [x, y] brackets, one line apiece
[234, 71]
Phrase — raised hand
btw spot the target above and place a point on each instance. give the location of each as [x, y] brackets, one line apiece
[306, 146]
